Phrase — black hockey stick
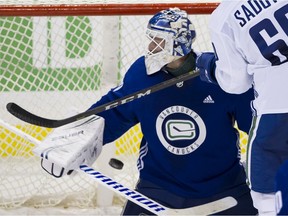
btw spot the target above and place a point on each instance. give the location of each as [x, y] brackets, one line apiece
[31, 118]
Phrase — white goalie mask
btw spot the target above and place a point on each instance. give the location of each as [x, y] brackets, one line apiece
[169, 37]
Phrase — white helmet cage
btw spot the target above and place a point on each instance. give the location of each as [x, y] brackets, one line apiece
[171, 34]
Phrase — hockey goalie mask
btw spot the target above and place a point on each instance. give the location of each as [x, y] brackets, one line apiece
[170, 35]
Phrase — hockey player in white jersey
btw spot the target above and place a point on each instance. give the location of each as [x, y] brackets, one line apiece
[189, 153]
[250, 39]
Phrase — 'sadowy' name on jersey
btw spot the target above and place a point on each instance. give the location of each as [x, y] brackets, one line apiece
[251, 9]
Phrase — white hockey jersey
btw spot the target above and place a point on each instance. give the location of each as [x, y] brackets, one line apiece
[250, 39]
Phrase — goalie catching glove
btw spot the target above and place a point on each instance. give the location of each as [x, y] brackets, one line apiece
[71, 145]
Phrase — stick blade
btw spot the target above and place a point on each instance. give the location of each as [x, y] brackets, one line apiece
[28, 117]
[206, 209]
[31, 118]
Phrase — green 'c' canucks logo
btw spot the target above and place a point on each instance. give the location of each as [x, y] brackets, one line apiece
[180, 129]
[183, 134]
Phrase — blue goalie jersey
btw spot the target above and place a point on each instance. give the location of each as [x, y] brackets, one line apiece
[189, 145]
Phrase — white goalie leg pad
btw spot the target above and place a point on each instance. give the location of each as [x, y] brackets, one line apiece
[72, 144]
[264, 203]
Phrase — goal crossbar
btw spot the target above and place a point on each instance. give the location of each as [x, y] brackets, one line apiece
[102, 9]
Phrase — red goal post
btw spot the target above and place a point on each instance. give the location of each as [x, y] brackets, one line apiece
[110, 9]
[57, 57]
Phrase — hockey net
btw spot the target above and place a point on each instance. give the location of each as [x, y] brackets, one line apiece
[56, 58]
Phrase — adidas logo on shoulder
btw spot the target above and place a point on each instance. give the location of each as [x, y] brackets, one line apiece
[208, 99]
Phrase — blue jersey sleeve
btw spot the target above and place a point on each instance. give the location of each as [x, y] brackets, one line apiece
[121, 118]
[243, 111]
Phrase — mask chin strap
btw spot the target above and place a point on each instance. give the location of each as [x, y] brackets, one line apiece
[156, 62]
[187, 66]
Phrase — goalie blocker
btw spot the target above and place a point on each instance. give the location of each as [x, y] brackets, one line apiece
[69, 146]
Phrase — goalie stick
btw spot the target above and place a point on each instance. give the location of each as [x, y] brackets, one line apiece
[136, 197]
[31, 118]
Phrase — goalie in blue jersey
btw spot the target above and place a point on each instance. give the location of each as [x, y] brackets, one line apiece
[189, 153]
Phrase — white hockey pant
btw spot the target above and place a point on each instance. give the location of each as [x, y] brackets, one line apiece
[264, 203]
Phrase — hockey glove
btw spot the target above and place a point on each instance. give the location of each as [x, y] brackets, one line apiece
[205, 62]
[71, 145]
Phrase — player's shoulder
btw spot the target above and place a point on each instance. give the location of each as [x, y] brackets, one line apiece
[139, 62]
[222, 12]
[226, 6]
[136, 69]
[136, 75]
